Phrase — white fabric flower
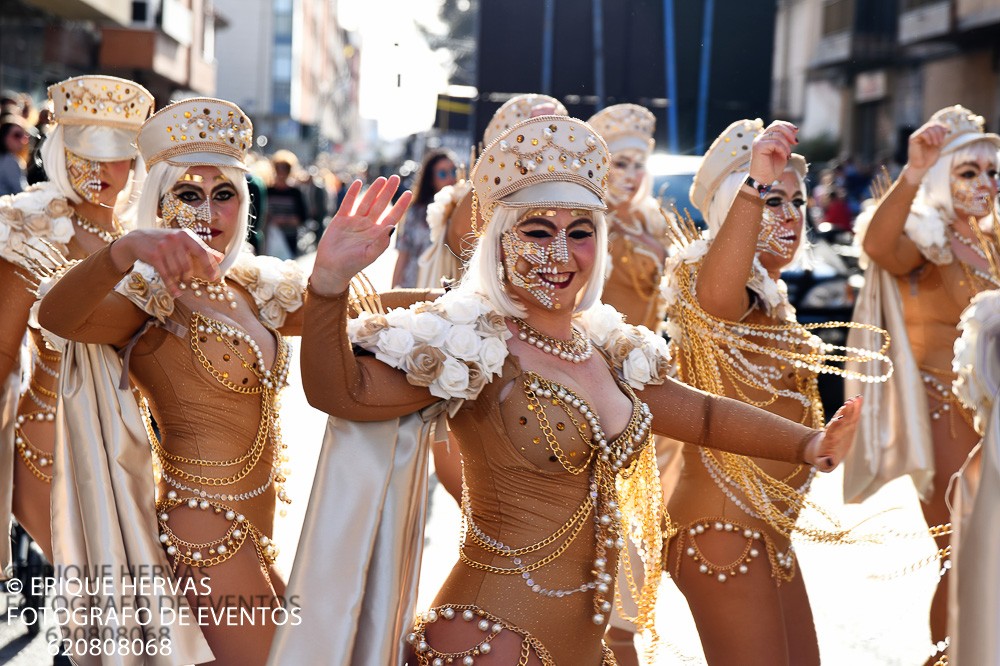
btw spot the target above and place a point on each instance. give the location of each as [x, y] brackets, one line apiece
[492, 355]
[430, 328]
[461, 307]
[636, 369]
[600, 322]
[453, 381]
[694, 252]
[393, 344]
[62, 230]
[463, 342]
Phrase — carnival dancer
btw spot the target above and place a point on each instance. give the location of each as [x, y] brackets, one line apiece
[541, 384]
[200, 324]
[929, 258]
[638, 244]
[449, 218]
[89, 160]
[734, 333]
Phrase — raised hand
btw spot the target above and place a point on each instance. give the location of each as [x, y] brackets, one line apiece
[831, 446]
[924, 149]
[356, 235]
[771, 150]
[176, 254]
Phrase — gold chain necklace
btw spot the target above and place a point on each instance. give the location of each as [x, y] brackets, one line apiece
[578, 349]
[109, 237]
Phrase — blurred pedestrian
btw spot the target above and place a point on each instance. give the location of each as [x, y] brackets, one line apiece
[286, 207]
[14, 135]
[437, 172]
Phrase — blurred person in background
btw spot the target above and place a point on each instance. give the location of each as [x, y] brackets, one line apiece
[14, 145]
[437, 172]
[286, 207]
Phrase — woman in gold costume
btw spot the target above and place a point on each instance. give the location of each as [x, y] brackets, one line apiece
[542, 383]
[89, 157]
[926, 233]
[734, 333]
[200, 326]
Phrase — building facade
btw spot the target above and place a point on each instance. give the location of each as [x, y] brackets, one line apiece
[294, 70]
[166, 45]
[866, 73]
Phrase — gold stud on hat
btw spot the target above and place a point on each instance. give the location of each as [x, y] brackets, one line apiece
[100, 100]
[198, 131]
[625, 126]
[552, 161]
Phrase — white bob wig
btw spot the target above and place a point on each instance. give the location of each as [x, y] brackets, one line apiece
[481, 273]
[53, 152]
[163, 175]
[725, 196]
[935, 189]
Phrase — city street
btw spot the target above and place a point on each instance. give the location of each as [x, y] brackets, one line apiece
[866, 613]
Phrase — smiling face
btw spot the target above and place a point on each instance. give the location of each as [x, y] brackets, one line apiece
[781, 231]
[628, 170]
[973, 186]
[207, 203]
[549, 256]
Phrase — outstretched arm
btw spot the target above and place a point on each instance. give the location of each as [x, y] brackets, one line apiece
[703, 419]
[335, 381]
[723, 275]
[885, 241]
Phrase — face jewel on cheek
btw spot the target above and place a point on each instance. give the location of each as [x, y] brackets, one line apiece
[770, 238]
[84, 176]
[972, 195]
[542, 258]
[186, 216]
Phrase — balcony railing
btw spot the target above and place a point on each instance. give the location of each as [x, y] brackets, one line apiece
[924, 19]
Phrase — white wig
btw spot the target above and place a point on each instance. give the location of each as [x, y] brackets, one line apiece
[53, 153]
[162, 177]
[724, 197]
[481, 273]
[935, 188]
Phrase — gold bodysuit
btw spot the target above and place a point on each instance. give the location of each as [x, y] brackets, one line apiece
[529, 489]
[212, 388]
[638, 247]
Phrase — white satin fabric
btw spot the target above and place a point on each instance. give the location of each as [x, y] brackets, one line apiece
[358, 560]
[103, 506]
[9, 394]
[100, 142]
[894, 434]
[976, 634]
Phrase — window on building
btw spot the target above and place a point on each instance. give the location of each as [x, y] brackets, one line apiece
[909, 5]
[282, 62]
[140, 11]
[208, 38]
[838, 16]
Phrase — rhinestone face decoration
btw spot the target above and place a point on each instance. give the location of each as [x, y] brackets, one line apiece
[973, 195]
[771, 237]
[185, 216]
[84, 176]
[543, 259]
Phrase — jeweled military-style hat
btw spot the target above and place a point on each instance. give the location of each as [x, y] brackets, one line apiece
[730, 152]
[100, 115]
[518, 109]
[548, 161]
[625, 126]
[964, 127]
[201, 131]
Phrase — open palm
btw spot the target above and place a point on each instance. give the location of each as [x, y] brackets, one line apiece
[828, 451]
[357, 234]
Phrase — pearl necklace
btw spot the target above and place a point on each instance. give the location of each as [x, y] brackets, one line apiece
[92, 228]
[577, 350]
[217, 291]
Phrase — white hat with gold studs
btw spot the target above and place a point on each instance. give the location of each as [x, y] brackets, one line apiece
[729, 153]
[551, 161]
[197, 132]
[517, 109]
[964, 127]
[625, 126]
[100, 116]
